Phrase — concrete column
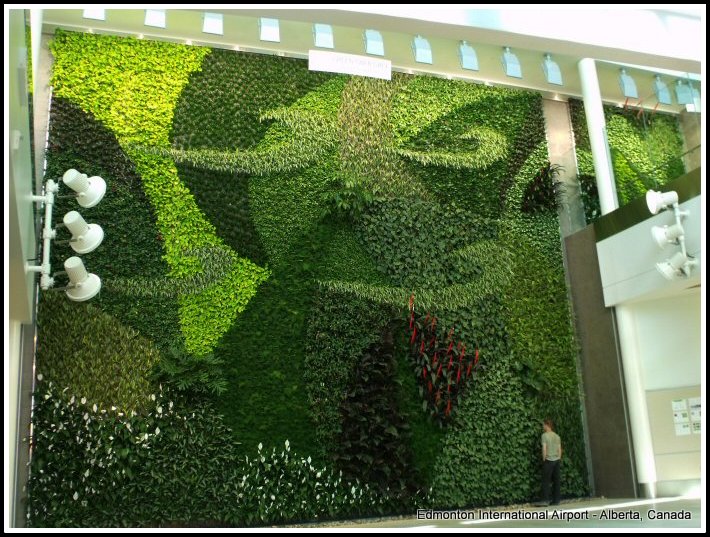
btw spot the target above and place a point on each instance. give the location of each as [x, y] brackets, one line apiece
[560, 150]
[636, 401]
[597, 135]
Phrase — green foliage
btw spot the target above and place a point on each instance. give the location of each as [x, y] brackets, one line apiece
[340, 329]
[489, 456]
[441, 367]
[91, 354]
[373, 440]
[490, 146]
[215, 262]
[435, 118]
[132, 246]
[132, 87]
[194, 374]
[441, 185]
[543, 192]
[349, 199]
[415, 242]
[220, 106]
[645, 149]
[95, 467]
[368, 150]
[282, 487]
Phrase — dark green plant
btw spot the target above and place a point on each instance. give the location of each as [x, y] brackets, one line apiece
[373, 442]
[590, 197]
[187, 373]
[340, 329]
[544, 190]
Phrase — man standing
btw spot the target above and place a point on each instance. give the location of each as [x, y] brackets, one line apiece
[551, 457]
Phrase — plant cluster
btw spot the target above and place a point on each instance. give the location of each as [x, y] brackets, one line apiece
[441, 366]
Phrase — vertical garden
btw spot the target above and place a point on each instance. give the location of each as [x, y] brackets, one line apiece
[323, 296]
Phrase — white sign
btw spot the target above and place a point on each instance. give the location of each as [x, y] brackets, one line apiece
[349, 64]
[679, 404]
[682, 429]
[695, 408]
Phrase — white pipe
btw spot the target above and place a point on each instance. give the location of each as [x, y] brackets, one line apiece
[596, 126]
[46, 281]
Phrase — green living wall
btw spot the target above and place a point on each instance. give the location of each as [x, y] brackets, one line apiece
[323, 296]
[645, 148]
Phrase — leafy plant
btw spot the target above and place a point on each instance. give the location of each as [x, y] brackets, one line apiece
[373, 441]
[442, 369]
[349, 199]
[187, 373]
[544, 190]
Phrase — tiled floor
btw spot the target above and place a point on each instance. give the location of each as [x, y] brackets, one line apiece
[588, 513]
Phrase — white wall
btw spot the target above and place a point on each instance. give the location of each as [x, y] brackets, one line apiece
[22, 244]
[668, 334]
[12, 388]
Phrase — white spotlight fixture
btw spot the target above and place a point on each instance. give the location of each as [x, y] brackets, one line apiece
[85, 237]
[657, 201]
[422, 50]
[678, 266]
[90, 190]
[83, 286]
[665, 235]
[511, 64]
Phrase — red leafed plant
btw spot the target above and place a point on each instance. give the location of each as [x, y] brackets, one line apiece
[443, 367]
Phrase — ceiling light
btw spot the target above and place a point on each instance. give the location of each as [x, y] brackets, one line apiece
[661, 90]
[323, 35]
[511, 64]
[269, 30]
[552, 71]
[467, 55]
[213, 23]
[628, 86]
[374, 43]
[422, 50]
[155, 17]
[82, 285]
[95, 14]
[683, 93]
[90, 190]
